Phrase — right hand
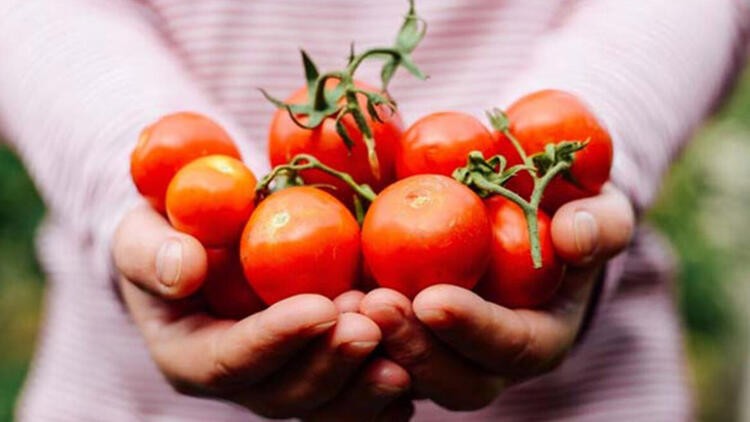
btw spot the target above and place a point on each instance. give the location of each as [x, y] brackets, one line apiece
[302, 357]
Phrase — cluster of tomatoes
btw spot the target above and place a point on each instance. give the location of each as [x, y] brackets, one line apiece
[296, 231]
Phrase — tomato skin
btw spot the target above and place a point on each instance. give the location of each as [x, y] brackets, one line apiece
[168, 144]
[300, 240]
[426, 230]
[211, 198]
[440, 142]
[225, 289]
[511, 279]
[552, 116]
[286, 140]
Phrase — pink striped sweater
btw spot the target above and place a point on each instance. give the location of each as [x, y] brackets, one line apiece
[79, 78]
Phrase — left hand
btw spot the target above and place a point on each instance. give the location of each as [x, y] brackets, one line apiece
[462, 351]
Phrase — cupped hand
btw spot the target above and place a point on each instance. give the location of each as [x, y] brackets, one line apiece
[306, 356]
[462, 351]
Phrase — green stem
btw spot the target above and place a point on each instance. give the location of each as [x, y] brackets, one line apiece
[321, 102]
[517, 145]
[367, 138]
[530, 213]
[540, 184]
[383, 51]
[302, 162]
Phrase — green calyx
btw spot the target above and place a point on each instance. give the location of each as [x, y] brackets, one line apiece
[342, 99]
[488, 176]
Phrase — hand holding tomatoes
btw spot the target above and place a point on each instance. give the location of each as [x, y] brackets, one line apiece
[462, 351]
[428, 236]
[301, 357]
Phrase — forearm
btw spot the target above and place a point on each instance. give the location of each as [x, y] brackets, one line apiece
[78, 80]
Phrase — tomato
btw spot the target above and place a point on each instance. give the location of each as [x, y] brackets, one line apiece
[426, 230]
[225, 290]
[552, 116]
[286, 140]
[170, 143]
[300, 240]
[511, 279]
[439, 143]
[211, 199]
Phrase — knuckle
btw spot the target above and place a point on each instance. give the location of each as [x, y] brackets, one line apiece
[219, 376]
[523, 347]
[416, 354]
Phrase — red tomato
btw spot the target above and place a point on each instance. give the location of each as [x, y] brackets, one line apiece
[552, 116]
[426, 230]
[226, 291]
[439, 143]
[511, 279]
[300, 240]
[286, 140]
[170, 143]
[211, 199]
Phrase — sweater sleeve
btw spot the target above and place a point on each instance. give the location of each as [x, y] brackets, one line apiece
[78, 81]
[651, 70]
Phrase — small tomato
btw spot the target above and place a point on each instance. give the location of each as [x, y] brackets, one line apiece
[225, 289]
[286, 139]
[300, 240]
[211, 198]
[511, 279]
[426, 230]
[439, 143]
[551, 116]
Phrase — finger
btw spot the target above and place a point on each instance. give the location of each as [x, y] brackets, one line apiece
[349, 301]
[593, 229]
[318, 375]
[437, 373]
[199, 354]
[511, 343]
[156, 257]
[378, 385]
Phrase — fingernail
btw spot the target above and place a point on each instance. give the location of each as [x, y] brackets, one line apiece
[323, 326]
[435, 318]
[386, 389]
[169, 262]
[586, 233]
[358, 348]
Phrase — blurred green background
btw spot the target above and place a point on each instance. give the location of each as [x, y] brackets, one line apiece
[703, 209]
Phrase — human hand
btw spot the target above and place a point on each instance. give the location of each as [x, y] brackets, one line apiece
[462, 351]
[303, 357]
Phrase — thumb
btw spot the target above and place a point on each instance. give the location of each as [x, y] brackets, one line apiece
[591, 230]
[156, 257]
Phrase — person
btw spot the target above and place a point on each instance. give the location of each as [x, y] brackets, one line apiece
[80, 78]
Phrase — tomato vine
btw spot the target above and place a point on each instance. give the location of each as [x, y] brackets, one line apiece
[487, 176]
[326, 102]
